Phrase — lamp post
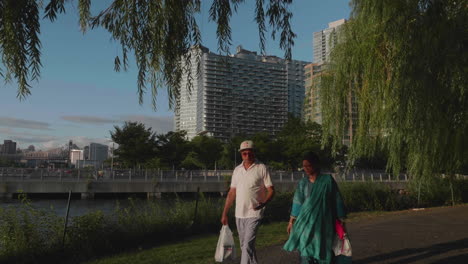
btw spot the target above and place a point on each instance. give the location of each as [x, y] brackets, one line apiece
[112, 153]
[235, 158]
[112, 157]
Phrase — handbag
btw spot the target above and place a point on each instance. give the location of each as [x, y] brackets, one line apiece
[226, 249]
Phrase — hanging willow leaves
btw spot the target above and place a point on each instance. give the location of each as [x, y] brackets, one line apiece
[159, 33]
[405, 63]
[19, 43]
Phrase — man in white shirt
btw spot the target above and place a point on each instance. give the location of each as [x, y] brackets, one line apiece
[252, 189]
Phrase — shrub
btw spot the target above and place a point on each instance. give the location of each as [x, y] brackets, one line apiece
[436, 191]
[279, 208]
[28, 235]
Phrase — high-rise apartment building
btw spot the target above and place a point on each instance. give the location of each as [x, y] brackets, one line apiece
[241, 94]
[312, 105]
[324, 41]
[295, 80]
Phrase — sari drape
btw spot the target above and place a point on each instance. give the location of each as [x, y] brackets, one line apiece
[313, 232]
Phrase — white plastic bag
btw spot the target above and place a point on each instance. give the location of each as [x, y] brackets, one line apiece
[342, 247]
[226, 249]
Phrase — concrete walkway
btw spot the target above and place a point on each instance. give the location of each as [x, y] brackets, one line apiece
[437, 236]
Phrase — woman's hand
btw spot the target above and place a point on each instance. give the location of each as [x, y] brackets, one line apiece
[290, 225]
[344, 225]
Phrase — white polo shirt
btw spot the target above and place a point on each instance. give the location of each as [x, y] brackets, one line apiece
[251, 188]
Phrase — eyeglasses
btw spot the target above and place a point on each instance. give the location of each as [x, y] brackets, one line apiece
[247, 153]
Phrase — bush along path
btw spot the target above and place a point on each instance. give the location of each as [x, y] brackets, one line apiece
[29, 235]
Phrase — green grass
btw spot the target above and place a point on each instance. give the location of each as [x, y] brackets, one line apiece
[28, 235]
[201, 249]
[198, 250]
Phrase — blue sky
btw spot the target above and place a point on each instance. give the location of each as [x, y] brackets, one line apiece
[80, 97]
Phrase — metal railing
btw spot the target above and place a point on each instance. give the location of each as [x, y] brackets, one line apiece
[130, 175]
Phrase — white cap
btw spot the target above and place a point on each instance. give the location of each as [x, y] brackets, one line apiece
[247, 144]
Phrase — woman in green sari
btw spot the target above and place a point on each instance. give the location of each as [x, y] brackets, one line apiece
[317, 204]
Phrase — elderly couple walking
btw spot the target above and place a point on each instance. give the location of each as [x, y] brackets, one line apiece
[317, 207]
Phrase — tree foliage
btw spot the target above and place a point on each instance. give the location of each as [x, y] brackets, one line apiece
[207, 150]
[172, 149]
[19, 43]
[158, 33]
[405, 63]
[298, 137]
[137, 144]
[230, 155]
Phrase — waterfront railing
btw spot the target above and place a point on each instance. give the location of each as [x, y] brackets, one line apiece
[155, 175]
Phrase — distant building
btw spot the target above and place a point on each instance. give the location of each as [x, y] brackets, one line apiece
[50, 158]
[58, 153]
[98, 152]
[241, 94]
[8, 147]
[88, 163]
[75, 155]
[86, 153]
[295, 81]
[312, 105]
[91, 156]
[324, 41]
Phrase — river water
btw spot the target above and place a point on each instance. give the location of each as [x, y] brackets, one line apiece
[77, 207]
[80, 207]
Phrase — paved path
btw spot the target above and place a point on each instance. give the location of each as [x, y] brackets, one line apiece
[430, 236]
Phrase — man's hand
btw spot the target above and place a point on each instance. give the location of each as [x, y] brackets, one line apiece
[259, 206]
[224, 219]
[229, 201]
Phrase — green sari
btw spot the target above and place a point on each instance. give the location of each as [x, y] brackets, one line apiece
[314, 231]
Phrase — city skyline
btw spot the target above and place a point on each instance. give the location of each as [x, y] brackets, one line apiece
[79, 97]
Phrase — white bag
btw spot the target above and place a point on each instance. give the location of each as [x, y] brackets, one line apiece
[342, 247]
[226, 249]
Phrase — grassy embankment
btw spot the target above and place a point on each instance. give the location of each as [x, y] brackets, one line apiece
[28, 235]
[200, 250]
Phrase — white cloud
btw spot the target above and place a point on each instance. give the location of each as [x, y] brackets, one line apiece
[6, 130]
[26, 137]
[85, 141]
[44, 142]
[23, 123]
[50, 144]
[159, 124]
[79, 141]
[89, 119]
